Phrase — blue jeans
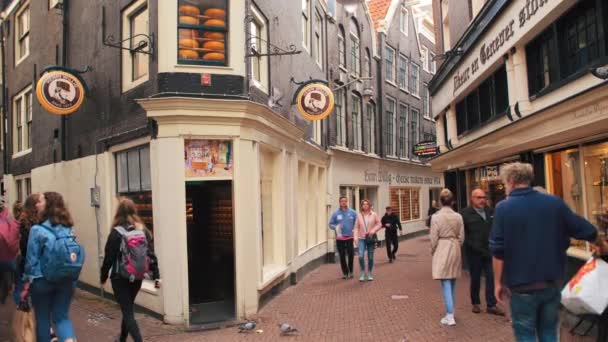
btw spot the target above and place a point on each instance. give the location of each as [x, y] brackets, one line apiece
[448, 289]
[370, 256]
[536, 315]
[51, 300]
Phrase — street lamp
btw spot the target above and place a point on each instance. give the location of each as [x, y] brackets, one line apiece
[350, 6]
[601, 72]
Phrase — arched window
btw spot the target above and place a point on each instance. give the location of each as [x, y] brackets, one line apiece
[342, 47]
[367, 71]
[355, 48]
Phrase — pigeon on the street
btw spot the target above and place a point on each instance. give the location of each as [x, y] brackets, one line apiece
[247, 327]
[287, 329]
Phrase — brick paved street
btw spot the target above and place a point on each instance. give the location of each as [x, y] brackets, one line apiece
[327, 308]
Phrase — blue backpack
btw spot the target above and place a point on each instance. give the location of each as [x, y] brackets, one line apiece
[65, 257]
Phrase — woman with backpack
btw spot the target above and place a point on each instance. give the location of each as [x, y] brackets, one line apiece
[129, 254]
[52, 266]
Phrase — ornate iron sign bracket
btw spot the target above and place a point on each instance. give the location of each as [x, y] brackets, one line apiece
[144, 45]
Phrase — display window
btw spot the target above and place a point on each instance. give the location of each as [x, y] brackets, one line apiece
[203, 32]
[596, 185]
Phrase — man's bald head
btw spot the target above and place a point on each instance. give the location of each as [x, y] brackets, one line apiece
[478, 198]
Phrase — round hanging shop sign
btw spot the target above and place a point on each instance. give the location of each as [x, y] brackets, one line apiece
[60, 92]
[315, 101]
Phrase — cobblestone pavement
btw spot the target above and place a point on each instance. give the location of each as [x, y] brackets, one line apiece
[326, 308]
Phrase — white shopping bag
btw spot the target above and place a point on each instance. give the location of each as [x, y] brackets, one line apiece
[587, 291]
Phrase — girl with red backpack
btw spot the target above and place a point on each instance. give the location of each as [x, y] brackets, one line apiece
[129, 258]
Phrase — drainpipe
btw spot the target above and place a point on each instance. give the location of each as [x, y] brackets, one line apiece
[380, 106]
[4, 97]
[64, 63]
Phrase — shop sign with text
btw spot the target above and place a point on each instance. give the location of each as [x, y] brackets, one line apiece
[60, 91]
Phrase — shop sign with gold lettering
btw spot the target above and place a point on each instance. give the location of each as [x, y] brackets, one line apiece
[60, 91]
[315, 101]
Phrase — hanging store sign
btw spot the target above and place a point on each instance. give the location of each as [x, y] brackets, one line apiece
[60, 91]
[208, 158]
[315, 101]
[426, 149]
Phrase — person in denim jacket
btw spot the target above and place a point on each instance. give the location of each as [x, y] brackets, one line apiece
[50, 300]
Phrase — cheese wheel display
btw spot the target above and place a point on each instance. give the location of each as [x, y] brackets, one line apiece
[215, 13]
[215, 23]
[214, 35]
[189, 10]
[188, 34]
[187, 54]
[214, 56]
[184, 19]
[214, 45]
[188, 43]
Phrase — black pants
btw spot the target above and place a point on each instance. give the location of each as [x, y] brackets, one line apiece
[602, 334]
[346, 249]
[125, 293]
[478, 264]
[392, 244]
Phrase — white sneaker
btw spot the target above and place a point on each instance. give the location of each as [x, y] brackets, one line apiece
[448, 320]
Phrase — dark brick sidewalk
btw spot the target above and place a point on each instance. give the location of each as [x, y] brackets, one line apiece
[326, 308]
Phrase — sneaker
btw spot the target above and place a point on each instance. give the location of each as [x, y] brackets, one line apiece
[476, 309]
[493, 310]
[448, 320]
[350, 276]
[369, 277]
[362, 277]
[344, 276]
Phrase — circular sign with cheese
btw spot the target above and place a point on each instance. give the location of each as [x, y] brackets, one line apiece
[60, 92]
[315, 101]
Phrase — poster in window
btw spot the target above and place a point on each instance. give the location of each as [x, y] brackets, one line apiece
[208, 158]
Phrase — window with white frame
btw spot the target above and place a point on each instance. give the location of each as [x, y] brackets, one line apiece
[22, 33]
[23, 187]
[415, 79]
[22, 121]
[403, 69]
[306, 24]
[135, 65]
[425, 59]
[403, 21]
[134, 181]
[318, 39]
[357, 122]
[355, 49]
[316, 132]
[390, 64]
[340, 117]
[432, 63]
[259, 64]
[371, 128]
[426, 101]
[390, 135]
[342, 47]
[402, 131]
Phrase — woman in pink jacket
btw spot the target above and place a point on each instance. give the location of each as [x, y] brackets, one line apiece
[368, 223]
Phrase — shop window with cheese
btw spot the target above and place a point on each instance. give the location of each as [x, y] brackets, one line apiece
[203, 32]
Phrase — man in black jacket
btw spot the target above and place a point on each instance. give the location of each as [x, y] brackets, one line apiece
[390, 222]
[477, 225]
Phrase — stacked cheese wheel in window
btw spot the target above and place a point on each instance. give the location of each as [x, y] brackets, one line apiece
[214, 42]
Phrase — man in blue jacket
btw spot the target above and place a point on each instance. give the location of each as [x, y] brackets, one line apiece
[529, 239]
[343, 223]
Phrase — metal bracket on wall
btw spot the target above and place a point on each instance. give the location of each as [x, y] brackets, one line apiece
[143, 43]
[273, 50]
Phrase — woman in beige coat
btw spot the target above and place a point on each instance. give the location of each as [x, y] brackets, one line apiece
[447, 237]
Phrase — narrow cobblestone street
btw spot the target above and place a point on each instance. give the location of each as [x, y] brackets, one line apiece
[326, 308]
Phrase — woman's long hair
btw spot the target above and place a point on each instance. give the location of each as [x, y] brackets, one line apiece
[56, 211]
[126, 214]
[29, 214]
